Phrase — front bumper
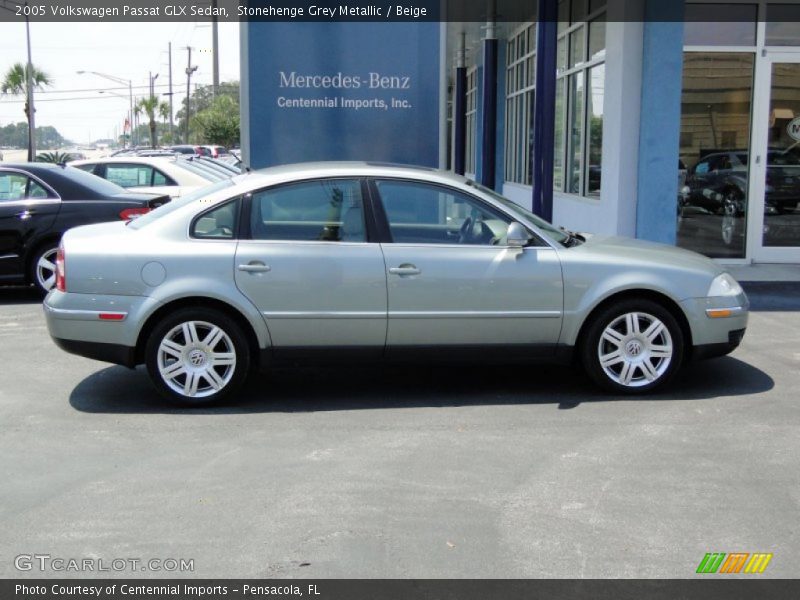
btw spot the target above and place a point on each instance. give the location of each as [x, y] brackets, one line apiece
[705, 351]
[717, 324]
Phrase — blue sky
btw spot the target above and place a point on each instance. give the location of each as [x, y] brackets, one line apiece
[126, 50]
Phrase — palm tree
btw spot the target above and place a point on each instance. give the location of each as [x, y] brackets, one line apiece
[15, 83]
[163, 112]
[149, 106]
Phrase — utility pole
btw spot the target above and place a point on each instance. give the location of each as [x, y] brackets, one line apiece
[172, 139]
[215, 46]
[189, 70]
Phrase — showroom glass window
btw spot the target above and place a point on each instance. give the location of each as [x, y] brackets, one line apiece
[580, 89]
[716, 124]
[329, 210]
[471, 119]
[520, 94]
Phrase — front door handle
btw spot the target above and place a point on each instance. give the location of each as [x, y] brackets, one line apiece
[25, 214]
[405, 269]
[255, 267]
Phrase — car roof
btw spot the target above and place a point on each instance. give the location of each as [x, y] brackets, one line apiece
[316, 170]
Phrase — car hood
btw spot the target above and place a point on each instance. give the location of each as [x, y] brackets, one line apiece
[627, 251]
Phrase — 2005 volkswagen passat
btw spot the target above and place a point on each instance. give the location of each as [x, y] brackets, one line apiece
[361, 261]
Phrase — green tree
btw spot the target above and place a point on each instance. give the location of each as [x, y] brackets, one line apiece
[219, 123]
[15, 82]
[202, 97]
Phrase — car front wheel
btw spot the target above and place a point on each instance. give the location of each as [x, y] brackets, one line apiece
[632, 347]
[197, 356]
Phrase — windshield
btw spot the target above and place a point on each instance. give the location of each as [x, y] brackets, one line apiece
[552, 232]
[169, 207]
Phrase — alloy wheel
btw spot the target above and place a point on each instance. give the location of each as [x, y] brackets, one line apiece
[635, 349]
[46, 269]
[196, 359]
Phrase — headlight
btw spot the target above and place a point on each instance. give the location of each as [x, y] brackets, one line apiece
[724, 285]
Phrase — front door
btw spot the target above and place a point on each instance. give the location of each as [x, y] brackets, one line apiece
[310, 269]
[775, 230]
[454, 283]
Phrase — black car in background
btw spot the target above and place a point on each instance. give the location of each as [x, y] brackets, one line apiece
[40, 201]
[718, 182]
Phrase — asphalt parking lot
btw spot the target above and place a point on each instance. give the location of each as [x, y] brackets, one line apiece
[405, 472]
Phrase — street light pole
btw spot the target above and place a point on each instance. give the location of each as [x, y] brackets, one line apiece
[122, 81]
[189, 70]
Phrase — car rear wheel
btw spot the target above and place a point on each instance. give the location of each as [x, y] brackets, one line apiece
[632, 347]
[43, 267]
[197, 356]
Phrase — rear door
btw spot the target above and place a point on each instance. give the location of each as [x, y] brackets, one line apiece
[27, 210]
[311, 268]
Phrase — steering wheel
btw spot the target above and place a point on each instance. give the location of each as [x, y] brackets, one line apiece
[466, 233]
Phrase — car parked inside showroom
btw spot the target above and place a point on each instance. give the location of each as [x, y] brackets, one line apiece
[361, 262]
[40, 201]
[718, 182]
[154, 174]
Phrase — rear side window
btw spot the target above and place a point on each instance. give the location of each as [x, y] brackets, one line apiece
[12, 186]
[218, 223]
[169, 207]
[132, 175]
[16, 186]
[330, 210]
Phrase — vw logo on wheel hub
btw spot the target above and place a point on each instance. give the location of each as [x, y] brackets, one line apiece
[634, 348]
[197, 358]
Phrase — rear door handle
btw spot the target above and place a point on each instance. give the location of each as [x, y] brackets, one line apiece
[255, 268]
[405, 269]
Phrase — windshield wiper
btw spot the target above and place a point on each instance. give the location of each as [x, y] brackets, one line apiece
[573, 239]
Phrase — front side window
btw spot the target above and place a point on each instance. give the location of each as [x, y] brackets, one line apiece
[420, 213]
[329, 210]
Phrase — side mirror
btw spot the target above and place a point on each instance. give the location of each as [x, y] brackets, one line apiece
[517, 235]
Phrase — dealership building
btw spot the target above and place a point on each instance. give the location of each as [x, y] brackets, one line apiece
[670, 121]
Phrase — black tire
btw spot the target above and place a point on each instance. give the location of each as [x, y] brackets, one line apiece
[205, 360]
[635, 349]
[36, 274]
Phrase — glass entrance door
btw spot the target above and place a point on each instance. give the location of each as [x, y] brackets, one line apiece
[776, 221]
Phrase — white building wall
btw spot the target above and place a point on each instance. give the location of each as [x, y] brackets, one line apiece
[614, 213]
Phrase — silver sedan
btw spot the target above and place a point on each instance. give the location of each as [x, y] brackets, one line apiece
[360, 262]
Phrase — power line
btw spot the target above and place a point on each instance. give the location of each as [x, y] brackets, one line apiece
[62, 99]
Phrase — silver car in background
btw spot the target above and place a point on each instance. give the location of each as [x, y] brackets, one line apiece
[366, 262]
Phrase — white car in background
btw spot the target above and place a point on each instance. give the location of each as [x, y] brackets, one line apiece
[154, 174]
